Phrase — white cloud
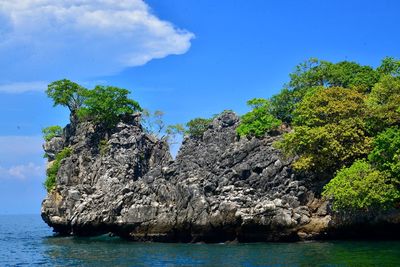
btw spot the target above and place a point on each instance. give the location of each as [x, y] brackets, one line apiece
[23, 87]
[81, 39]
[21, 157]
[16, 149]
[22, 172]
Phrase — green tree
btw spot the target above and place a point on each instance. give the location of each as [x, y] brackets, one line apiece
[172, 133]
[389, 66]
[318, 73]
[329, 130]
[153, 122]
[197, 127]
[384, 102]
[67, 93]
[106, 104]
[259, 120]
[385, 155]
[361, 187]
[51, 131]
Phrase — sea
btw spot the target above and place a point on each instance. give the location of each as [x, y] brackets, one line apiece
[25, 240]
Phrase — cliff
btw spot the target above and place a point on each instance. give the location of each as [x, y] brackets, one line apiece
[219, 188]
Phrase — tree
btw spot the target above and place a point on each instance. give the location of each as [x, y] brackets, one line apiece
[322, 106]
[153, 122]
[197, 127]
[106, 104]
[258, 121]
[51, 131]
[172, 133]
[329, 130]
[361, 187]
[385, 155]
[389, 66]
[318, 73]
[67, 93]
[384, 103]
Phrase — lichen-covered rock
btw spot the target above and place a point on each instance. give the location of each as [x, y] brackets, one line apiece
[219, 188]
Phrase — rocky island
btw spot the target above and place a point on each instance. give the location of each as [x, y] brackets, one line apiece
[220, 187]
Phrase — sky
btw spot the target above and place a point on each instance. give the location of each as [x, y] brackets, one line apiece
[188, 58]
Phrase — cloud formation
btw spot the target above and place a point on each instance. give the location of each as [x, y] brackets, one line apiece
[23, 171]
[81, 39]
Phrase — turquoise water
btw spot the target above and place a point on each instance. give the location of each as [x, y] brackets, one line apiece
[27, 241]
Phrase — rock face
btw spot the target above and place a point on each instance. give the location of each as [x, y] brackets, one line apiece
[219, 188]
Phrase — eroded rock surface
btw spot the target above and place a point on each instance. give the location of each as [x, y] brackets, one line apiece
[219, 188]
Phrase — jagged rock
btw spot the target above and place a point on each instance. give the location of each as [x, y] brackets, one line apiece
[219, 187]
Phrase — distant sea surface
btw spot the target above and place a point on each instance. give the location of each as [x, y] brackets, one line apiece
[26, 241]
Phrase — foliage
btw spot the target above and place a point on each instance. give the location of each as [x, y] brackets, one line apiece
[67, 93]
[384, 102]
[318, 73]
[314, 72]
[329, 105]
[51, 131]
[153, 122]
[52, 171]
[326, 148]
[258, 121]
[173, 131]
[329, 132]
[385, 155]
[361, 187]
[389, 66]
[104, 147]
[197, 127]
[106, 104]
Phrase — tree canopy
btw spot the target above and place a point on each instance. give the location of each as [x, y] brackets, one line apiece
[67, 93]
[103, 105]
[258, 121]
[106, 105]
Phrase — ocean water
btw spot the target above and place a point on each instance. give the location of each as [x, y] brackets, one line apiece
[26, 241]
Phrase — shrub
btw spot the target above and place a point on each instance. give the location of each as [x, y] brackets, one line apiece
[385, 155]
[197, 127]
[258, 121]
[51, 131]
[383, 102]
[361, 187]
[104, 147]
[52, 171]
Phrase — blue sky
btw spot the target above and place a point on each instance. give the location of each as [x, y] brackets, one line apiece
[189, 58]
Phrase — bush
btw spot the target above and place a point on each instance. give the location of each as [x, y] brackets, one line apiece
[361, 187]
[51, 131]
[50, 181]
[197, 127]
[383, 102]
[258, 121]
[104, 147]
[386, 152]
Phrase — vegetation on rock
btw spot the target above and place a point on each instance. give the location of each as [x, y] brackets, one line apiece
[52, 171]
[197, 127]
[103, 105]
[51, 131]
[361, 186]
[258, 121]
